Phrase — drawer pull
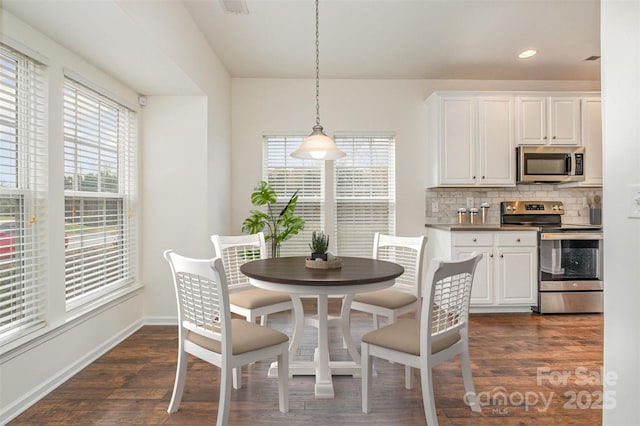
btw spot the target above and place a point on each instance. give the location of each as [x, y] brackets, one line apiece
[475, 239]
[518, 240]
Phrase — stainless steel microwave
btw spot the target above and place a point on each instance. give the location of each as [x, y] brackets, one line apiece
[551, 164]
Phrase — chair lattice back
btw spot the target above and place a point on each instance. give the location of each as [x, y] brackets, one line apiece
[406, 251]
[203, 302]
[450, 295]
[236, 251]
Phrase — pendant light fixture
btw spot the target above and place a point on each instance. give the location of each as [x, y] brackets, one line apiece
[318, 146]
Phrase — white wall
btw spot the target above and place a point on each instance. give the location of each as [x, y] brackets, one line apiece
[174, 180]
[620, 30]
[271, 105]
[30, 371]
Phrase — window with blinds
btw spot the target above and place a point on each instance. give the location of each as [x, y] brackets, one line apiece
[23, 172]
[99, 180]
[364, 193]
[286, 175]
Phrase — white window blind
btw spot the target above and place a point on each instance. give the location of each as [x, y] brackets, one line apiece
[23, 162]
[364, 193]
[100, 182]
[286, 175]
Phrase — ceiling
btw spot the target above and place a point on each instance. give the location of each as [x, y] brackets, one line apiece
[363, 39]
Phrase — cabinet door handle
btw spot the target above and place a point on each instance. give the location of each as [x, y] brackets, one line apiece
[518, 240]
[545, 138]
[502, 255]
[474, 177]
[475, 239]
[491, 255]
[482, 177]
[553, 137]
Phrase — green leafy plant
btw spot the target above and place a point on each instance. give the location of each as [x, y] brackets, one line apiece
[280, 226]
[319, 243]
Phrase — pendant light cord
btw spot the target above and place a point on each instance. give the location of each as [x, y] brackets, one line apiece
[317, 146]
[317, 66]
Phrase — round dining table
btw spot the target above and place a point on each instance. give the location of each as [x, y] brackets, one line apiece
[290, 275]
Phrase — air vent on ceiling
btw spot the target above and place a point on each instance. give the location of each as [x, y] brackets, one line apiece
[592, 58]
[236, 7]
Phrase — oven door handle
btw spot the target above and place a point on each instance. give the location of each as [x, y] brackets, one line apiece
[571, 236]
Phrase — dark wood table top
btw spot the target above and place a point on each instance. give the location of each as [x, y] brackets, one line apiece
[292, 270]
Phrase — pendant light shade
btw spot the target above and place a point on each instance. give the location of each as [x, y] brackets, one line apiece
[318, 146]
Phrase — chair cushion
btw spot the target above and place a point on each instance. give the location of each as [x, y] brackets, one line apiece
[257, 298]
[246, 337]
[388, 298]
[404, 336]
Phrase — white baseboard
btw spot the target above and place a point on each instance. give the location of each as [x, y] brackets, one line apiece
[499, 309]
[164, 320]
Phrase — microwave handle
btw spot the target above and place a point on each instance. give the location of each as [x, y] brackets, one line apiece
[567, 161]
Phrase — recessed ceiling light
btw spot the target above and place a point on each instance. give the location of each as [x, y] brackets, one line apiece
[527, 53]
[237, 7]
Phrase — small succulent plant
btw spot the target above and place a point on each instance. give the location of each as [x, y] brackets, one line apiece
[319, 243]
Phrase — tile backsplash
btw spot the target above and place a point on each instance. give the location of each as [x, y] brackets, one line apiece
[448, 200]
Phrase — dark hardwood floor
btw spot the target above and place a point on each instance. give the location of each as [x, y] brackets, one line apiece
[528, 370]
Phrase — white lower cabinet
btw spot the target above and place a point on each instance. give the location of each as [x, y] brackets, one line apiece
[507, 274]
[464, 244]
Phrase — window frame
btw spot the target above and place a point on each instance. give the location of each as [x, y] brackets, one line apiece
[23, 123]
[381, 146]
[330, 202]
[111, 245]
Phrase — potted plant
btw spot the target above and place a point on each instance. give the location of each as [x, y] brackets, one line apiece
[319, 246]
[281, 226]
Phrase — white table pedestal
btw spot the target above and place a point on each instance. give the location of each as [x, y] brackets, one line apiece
[322, 367]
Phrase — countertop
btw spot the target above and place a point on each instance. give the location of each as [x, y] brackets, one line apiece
[480, 227]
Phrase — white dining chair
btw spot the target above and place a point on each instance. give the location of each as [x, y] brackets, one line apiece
[245, 299]
[206, 330]
[439, 335]
[405, 295]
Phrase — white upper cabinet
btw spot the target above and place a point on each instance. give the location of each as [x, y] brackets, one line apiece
[496, 141]
[592, 140]
[471, 140]
[458, 136]
[548, 120]
[532, 120]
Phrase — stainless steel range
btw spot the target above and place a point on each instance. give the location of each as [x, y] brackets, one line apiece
[570, 276]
